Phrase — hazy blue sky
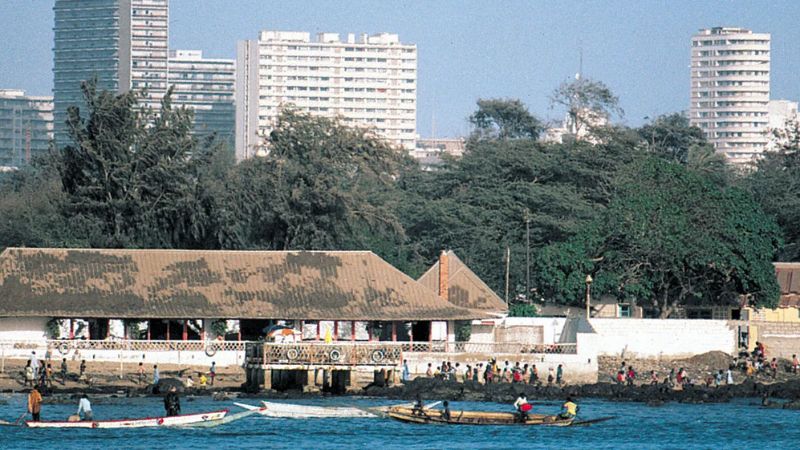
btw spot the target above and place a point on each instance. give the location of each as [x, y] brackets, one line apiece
[467, 49]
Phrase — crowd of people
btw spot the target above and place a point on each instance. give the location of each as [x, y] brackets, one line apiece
[490, 372]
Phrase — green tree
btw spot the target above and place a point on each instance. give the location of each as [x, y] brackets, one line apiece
[586, 101]
[669, 237]
[504, 119]
[775, 184]
[322, 186]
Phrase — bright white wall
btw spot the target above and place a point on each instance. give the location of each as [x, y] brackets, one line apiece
[661, 337]
[551, 328]
[22, 329]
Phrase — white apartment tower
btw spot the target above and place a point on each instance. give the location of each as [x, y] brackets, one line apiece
[730, 90]
[367, 81]
[121, 43]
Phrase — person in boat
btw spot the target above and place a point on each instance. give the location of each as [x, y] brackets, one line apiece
[523, 407]
[446, 410]
[418, 409]
[35, 404]
[568, 410]
[172, 404]
[85, 407]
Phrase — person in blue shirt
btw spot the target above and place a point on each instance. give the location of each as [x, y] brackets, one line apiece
[406, 376]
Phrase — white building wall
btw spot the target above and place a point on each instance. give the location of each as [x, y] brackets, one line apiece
[23, 329]
[370, 82]
[655, 338]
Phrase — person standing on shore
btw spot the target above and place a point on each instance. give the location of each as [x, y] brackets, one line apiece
[35, 404]
[630, 377]
[773, 365]
[140, 373]
[29, 376]
[429, 372]
[156, 376]
[534, 379]
[35, 365]
[212, 372]
[729, 377]
[82, 370]
[550, 376]
[64, 370]
[406, 375]
[560, 375]
[795, 364]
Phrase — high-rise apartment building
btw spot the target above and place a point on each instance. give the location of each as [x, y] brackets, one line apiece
[121, 43]
[730, 90]
[367, 81]
[206, 87]
[26, 127]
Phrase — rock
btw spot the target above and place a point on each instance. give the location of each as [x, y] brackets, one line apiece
[221, 397]
[165, 384]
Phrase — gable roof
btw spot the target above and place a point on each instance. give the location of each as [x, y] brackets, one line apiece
[465, 289]
[312, 285]
[788, 275]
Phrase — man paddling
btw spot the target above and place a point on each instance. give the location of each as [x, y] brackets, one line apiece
[172, 404]
[35, 404]
[523, 407]
[569, 410]
[85, 407]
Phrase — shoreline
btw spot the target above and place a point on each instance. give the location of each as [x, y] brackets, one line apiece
[433, 390]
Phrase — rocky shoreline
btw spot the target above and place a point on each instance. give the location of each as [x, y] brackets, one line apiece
[774, 395]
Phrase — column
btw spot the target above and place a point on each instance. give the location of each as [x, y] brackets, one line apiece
[185, 335]
[394, 331]
[167, 330]
[71, 328]
[148, 329]
[352, 330]
[203, 329]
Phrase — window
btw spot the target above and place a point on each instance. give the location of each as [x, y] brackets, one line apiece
[624, 310]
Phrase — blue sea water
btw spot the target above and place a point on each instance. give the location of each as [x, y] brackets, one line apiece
[739, 424]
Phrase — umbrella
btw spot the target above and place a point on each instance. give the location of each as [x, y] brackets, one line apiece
[280, 330]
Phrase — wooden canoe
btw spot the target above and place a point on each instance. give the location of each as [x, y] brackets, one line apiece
[405, 414]
[183, 420]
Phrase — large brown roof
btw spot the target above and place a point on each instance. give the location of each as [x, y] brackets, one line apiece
[789, 281]
[333, 285]
[465, 289]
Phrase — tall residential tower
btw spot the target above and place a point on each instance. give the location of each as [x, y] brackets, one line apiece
[121, 43]
[730, 90]
[367, 81]
[26, 127]
[205, 86]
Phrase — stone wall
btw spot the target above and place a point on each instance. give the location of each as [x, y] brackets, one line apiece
[782, 339]
[667, 338]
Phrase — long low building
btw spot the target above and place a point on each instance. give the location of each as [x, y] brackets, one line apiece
[176, 294]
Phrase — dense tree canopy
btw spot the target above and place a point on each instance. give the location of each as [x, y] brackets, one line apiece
[652, 213]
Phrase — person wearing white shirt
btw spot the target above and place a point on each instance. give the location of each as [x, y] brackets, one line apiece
[85, 407]
[35, 365]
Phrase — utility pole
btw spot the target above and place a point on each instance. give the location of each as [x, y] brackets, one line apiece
[508, 267]
[527, 254]
[588, 295]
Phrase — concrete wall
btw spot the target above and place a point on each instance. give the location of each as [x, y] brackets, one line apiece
[668, 338]
[545, 330]
[222, 358]
[781, 339]
[22, 329]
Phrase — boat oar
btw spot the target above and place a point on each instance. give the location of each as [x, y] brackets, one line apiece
[20, 418]
[431, 405]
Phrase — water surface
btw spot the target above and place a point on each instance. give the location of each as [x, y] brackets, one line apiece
[740, 424]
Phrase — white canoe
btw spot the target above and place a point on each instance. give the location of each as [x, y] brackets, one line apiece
[294, 411]
[186, 419]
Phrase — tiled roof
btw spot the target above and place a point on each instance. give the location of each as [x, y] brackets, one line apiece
[465, 289]
[318, 285]
[789, 281]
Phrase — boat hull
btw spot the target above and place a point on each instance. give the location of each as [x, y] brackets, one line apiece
[183, 420]
[293, 411]
[405, 414]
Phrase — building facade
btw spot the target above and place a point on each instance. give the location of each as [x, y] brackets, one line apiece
[206, 86]
[429, 152]
[26, 127]
[730, 83]
[120, 43]
[367, 81]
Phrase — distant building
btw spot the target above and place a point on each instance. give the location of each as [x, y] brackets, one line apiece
[370, 81]
[121, 43]
[206, 87]
[429, 152]
[730, 75]
[569, 130]
[26, 127]
[782, 114]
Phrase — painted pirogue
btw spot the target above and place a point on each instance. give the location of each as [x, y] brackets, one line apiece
[427, 416]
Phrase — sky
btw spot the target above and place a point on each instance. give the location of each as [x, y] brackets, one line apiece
[467, 49]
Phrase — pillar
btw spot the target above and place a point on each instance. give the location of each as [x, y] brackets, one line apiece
[352, 330]
[203, 329]
[394, 331]
[148, 329]
[167, 330]
[185, 335]
[71, 328]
